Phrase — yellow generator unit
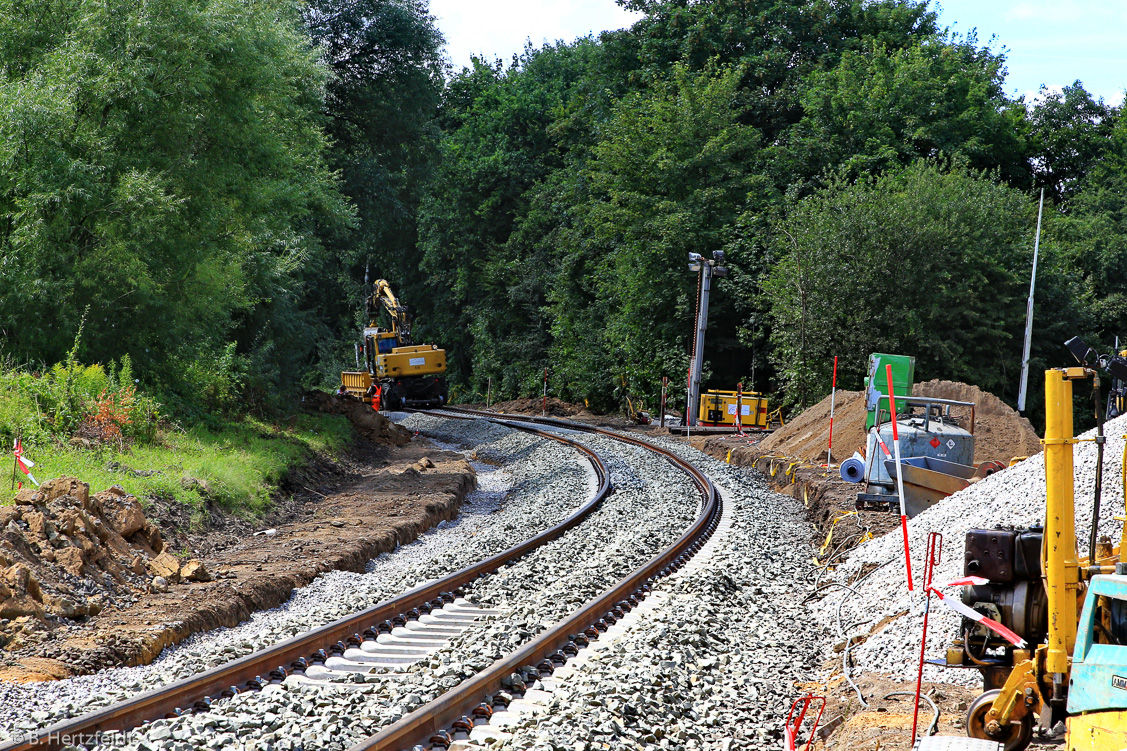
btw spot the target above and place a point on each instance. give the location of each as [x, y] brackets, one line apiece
[718, 408]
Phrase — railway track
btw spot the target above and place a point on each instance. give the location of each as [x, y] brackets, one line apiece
[432, 610]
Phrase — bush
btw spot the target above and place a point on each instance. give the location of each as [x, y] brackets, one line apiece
[51, 406]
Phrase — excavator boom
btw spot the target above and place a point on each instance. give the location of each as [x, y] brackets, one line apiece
[400, 315]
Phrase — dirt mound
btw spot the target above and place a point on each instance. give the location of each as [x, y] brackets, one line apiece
[1000, 433]
[375, 427]
[63, 552]
[535, 406]
[369, 423]
[375, 502]
[806, 436]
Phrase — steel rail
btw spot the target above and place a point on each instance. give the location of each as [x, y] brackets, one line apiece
[275, 662]
[427, 724]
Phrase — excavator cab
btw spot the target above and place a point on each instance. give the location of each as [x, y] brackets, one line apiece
[385, 342]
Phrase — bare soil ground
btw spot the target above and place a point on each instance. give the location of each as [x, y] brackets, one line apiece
[887, 722]
[331, 515]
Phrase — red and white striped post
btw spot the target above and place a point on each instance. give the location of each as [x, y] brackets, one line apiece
[739, 408]
[931, 560]
[833, 396]
[899, 474]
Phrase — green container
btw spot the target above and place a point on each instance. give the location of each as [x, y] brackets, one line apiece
[903, 377]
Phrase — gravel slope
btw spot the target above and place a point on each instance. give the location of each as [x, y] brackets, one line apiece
[1014, 497]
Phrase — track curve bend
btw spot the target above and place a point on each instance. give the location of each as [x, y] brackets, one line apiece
[294, 655]
[458, 707]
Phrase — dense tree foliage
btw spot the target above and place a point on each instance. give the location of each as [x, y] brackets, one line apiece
[161, 171]
[385, 64]
[208, 183]
[900, 263]
[863, 170]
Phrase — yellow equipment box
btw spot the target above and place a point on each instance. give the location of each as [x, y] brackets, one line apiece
[719, 408]
[411, 361]
[357, 382]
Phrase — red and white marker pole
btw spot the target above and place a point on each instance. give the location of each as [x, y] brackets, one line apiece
[739, 408]
[545, 392]
[899, 475]
[931, 560]
[833, 396]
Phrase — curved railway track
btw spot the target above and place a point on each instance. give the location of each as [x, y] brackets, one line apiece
[453, 713]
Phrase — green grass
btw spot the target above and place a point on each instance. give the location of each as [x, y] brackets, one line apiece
[242, 462]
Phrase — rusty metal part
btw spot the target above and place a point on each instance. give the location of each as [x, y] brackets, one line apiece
[423, 724]
[248, 672]
[983, 724]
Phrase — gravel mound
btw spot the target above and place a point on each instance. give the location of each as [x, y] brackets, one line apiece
[714, 665]
[1014, 497]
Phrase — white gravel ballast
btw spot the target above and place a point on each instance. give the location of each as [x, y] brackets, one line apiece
[651, 505]
[1014, 497]
[711, 658]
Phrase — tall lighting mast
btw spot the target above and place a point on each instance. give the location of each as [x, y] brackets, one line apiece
[707, 270]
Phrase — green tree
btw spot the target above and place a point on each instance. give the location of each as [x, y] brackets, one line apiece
[481, 238]
[161, 165]
[674, 167]
[882, 108]
[1093, 232]
[776, 43]
[1071, 134]
[382, 103]
[925, 261]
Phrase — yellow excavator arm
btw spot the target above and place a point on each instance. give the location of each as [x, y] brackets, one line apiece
[383, 297]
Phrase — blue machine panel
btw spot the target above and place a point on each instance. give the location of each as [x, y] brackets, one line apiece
[1099, 671]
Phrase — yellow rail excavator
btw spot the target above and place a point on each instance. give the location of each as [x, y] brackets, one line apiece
[399, 373]
[1071, 610]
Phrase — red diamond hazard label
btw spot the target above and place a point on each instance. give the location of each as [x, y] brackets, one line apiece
[935, 443]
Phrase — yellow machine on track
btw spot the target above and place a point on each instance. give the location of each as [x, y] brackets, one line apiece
[399, 373]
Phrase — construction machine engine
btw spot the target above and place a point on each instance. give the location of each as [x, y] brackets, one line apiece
[1015, 594]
